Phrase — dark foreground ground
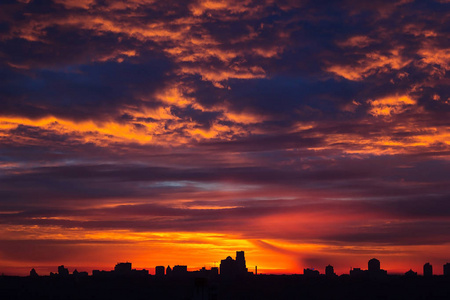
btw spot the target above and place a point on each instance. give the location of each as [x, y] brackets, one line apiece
[255, 287]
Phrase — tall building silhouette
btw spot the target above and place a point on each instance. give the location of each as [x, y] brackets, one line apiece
[374, 265]
[227, 267]
[240, 262]
[33, 273]
[63, 271]
[427, 270]
[160, 271]
[447, 270]
[231, 268]
[329, 271]
[374, 268]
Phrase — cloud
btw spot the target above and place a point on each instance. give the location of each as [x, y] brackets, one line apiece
[390, 105]
[269, 125]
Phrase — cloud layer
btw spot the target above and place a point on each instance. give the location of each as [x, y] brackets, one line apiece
[287, 129]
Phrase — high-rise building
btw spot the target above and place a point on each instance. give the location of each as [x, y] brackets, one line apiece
[374, 265]
[240, 262]
[329, 271]
[227, 267]
[33, 273]
[374, 269]
[427, 270]
[447, 270]
[231, 268]
[160, 271]
[63, 271]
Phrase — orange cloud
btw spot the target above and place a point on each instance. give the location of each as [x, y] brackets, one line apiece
[183, 40]
[391, 105]
[435, 56]
[101, 133]
[359, 41]
[371, 63]
[202, 6]
[84, 4]
[244, 118]
[421, 139]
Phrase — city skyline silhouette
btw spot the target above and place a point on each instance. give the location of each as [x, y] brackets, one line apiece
[229, 268]
[231, 280]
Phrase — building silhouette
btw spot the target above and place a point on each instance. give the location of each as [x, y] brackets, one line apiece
[63, 271]
[33, 273]
[374, 268]
[123, 268]
[232, 268]
[373, 265]
[310, 272]
[427, 270]
[227, 267]
[357, 272]
[205, 273]
[160, 271]
[75, 273]
[240, 262]
[214, 271]
[329, 271]
[447, 270]
[179, 271]
[411, 273]
[207, 284]
[120, 270]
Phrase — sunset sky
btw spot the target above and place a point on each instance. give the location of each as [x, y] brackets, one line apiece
[304, 133]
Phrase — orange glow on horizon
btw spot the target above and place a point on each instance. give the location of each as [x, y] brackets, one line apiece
[102, 250]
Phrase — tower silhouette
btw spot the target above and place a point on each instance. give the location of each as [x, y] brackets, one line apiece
[329, 271]
[447, 270]
[427, 270]
[160, 271]
[374, 265]
[232, 268]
